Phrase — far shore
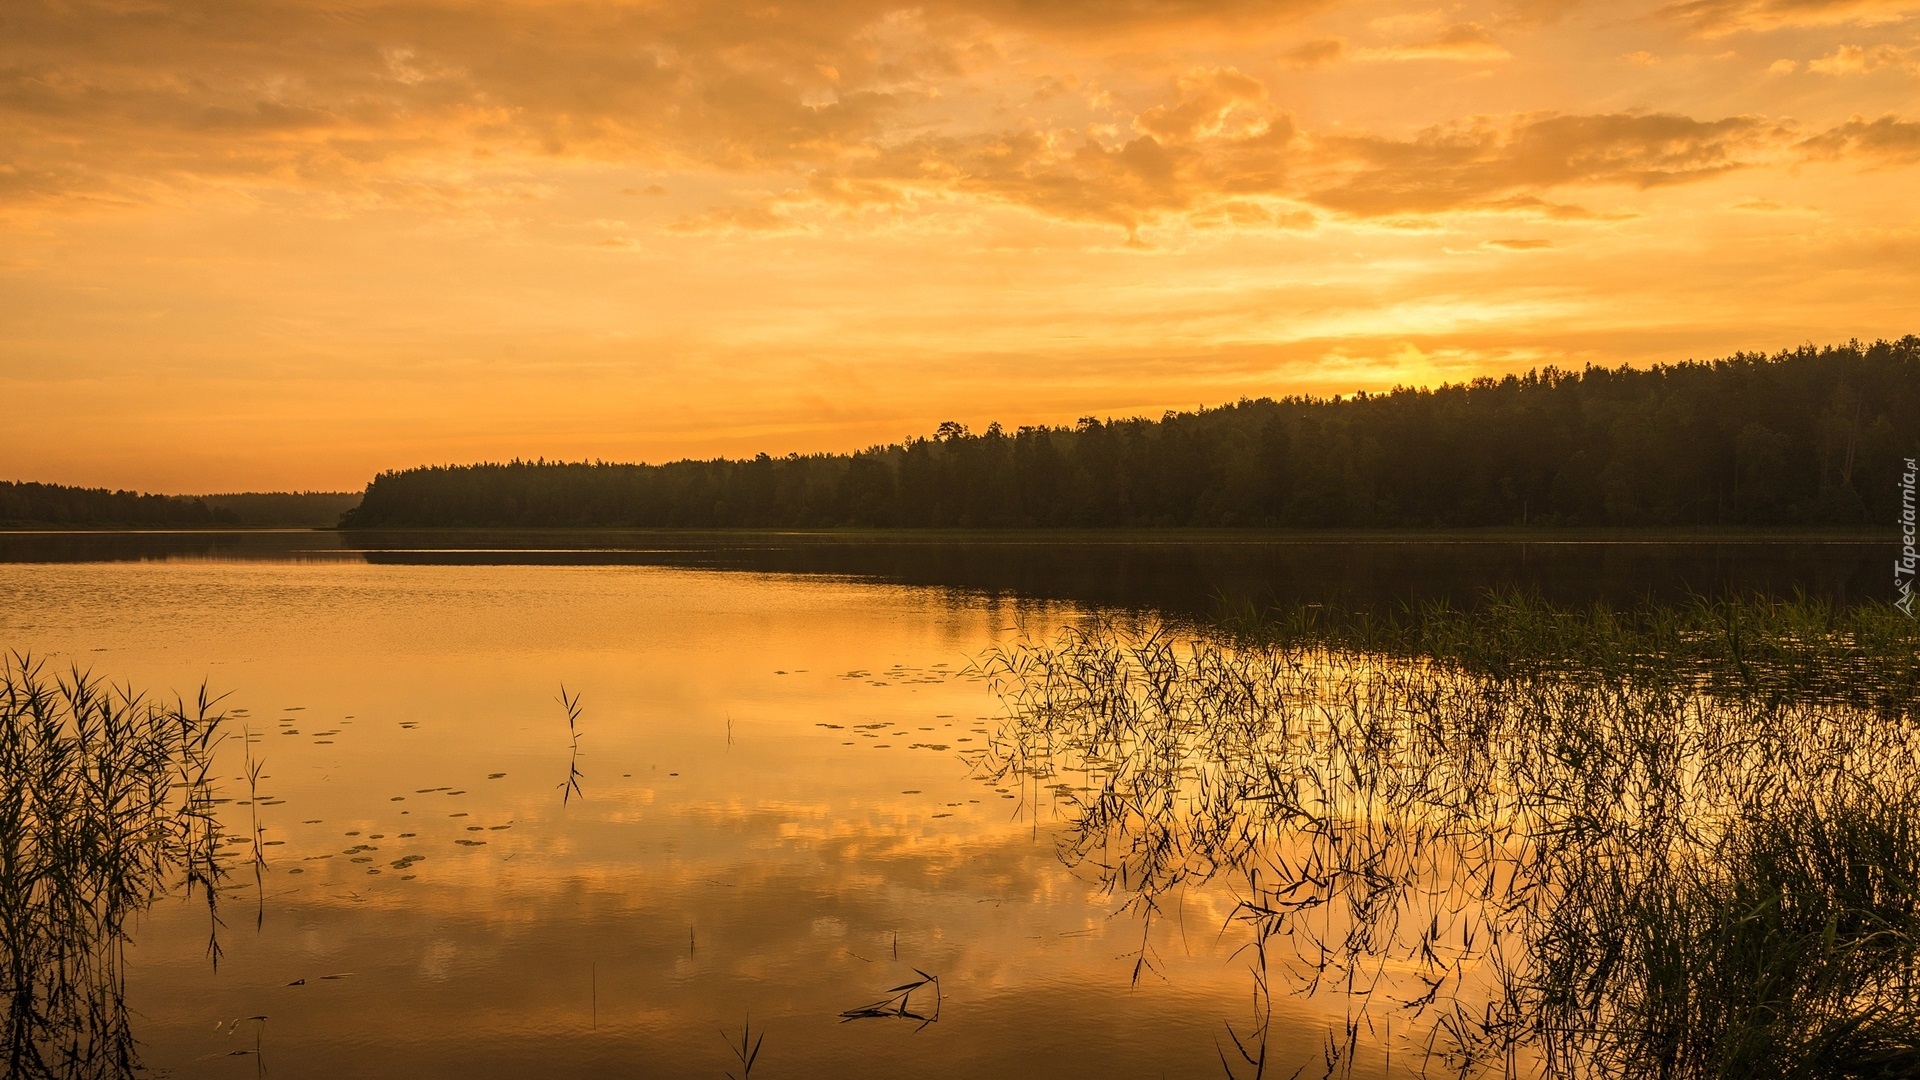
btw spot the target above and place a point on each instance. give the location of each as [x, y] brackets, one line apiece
[1509, 533]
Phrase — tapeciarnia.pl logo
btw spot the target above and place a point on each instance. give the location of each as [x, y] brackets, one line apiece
[1904, 565]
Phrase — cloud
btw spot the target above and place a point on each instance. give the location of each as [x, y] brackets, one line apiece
[1860, 60]
[1220, 153]
[1717, 18]
[376, 97]
[1250, 214]
[1534, 13]
[1520, 245]
[842, 107]
[736, 219]
[1461, 41]
[1317, 53]
[1219, 138]
[1102, 17]
[1888, 140]
[1536, 206]
[1487, 163]
[294, 94]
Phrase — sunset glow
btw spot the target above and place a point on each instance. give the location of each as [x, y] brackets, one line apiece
[287, 244]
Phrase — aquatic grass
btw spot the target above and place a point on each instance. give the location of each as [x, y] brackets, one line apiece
[253, 769]
[106, 805]
[1792, 953]
[254, 766]
[571, 785]
[748, 1051]
[1525, 859]
[898, 1004]
[1865, 653]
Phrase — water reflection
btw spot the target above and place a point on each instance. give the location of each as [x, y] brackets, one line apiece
[1184, 573]
[779, 827]
[775, 824]
[1558, 873]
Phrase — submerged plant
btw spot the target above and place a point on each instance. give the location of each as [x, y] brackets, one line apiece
[1523, 867]
[106, 804]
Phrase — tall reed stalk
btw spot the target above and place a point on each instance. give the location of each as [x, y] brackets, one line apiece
[106, 804]
[1595, 868]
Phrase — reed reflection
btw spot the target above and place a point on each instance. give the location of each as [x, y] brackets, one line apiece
[1651, 861]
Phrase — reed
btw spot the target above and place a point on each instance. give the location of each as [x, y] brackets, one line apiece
[1529, 843]
[571, 785]
[106, 804]
[1799, 646]
[748, 1051]
[898, 1003]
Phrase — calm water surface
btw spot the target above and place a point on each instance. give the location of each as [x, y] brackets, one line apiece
[776, 821]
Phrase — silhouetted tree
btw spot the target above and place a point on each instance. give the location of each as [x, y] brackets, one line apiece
[57, 504]
[1811, 436]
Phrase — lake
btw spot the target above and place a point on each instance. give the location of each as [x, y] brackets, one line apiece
[777, 830]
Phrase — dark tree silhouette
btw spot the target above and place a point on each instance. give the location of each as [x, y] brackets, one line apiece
[1812, 436]
[56, 504]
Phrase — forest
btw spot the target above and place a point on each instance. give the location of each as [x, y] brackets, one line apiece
[59, 505]
[284, 508]
[1809, 436]
[26, 505]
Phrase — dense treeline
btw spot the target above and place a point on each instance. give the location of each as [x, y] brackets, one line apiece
[25, 504]
[1810, 436]
[57, 504]
[312, 508]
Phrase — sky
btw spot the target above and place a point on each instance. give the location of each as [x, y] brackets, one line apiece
[289, 244]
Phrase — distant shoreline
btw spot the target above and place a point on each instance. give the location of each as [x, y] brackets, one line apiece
[1251, 534]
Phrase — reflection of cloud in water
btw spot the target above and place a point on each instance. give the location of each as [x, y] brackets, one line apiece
[646, 962]
[437, 960]
[617, 934]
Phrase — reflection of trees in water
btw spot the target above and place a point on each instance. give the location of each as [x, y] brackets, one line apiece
[1557, 874]
[105, 804]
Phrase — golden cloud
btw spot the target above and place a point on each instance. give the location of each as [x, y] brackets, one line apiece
[1716, 18]
[1888, 140]
[1461, 41]
[105, 101]
[1537, 12]
[1860, 60]
[1219, 138]
[1488, 164]
[1316, 53]
[862, 103]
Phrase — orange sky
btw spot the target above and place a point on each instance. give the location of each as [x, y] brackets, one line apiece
[289, 243]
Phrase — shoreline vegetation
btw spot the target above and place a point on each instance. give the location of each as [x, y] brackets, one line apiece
[1528, 841]
[30, 505]
[1865, 654]
[1804, 442]
[1807, 437]
[109, 806]
[857, 534]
